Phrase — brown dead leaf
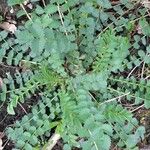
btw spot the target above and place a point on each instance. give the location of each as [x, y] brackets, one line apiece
[8, 27]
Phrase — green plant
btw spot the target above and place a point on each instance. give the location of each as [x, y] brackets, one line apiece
[70, 52]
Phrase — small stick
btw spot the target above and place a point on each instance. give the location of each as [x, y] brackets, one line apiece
[135, 67]
[113, 99]
[61, 18]
[137, 108]
[146, 77]
[22, 108]
[5, 143]
[131, 71]
[142, 73]
[52, 142]
[44, 4]
[25, 12]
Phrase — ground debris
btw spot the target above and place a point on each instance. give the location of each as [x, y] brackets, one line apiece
[8, 27]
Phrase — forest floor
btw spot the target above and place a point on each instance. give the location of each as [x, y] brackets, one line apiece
[9, 15]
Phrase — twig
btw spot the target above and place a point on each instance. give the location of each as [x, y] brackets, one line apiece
[132, 71]
[92, 97]
[25, 12]
[44, 4]
[113, 99]
[135, 67]
[137, 108]
[143, 67]
[22, 108]
[5, 143]
[61, 18]
[146, 77]
[52, 142]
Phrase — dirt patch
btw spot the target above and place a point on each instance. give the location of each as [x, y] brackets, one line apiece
[5, 69]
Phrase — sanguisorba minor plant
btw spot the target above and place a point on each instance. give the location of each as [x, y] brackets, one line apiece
[74, 53]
